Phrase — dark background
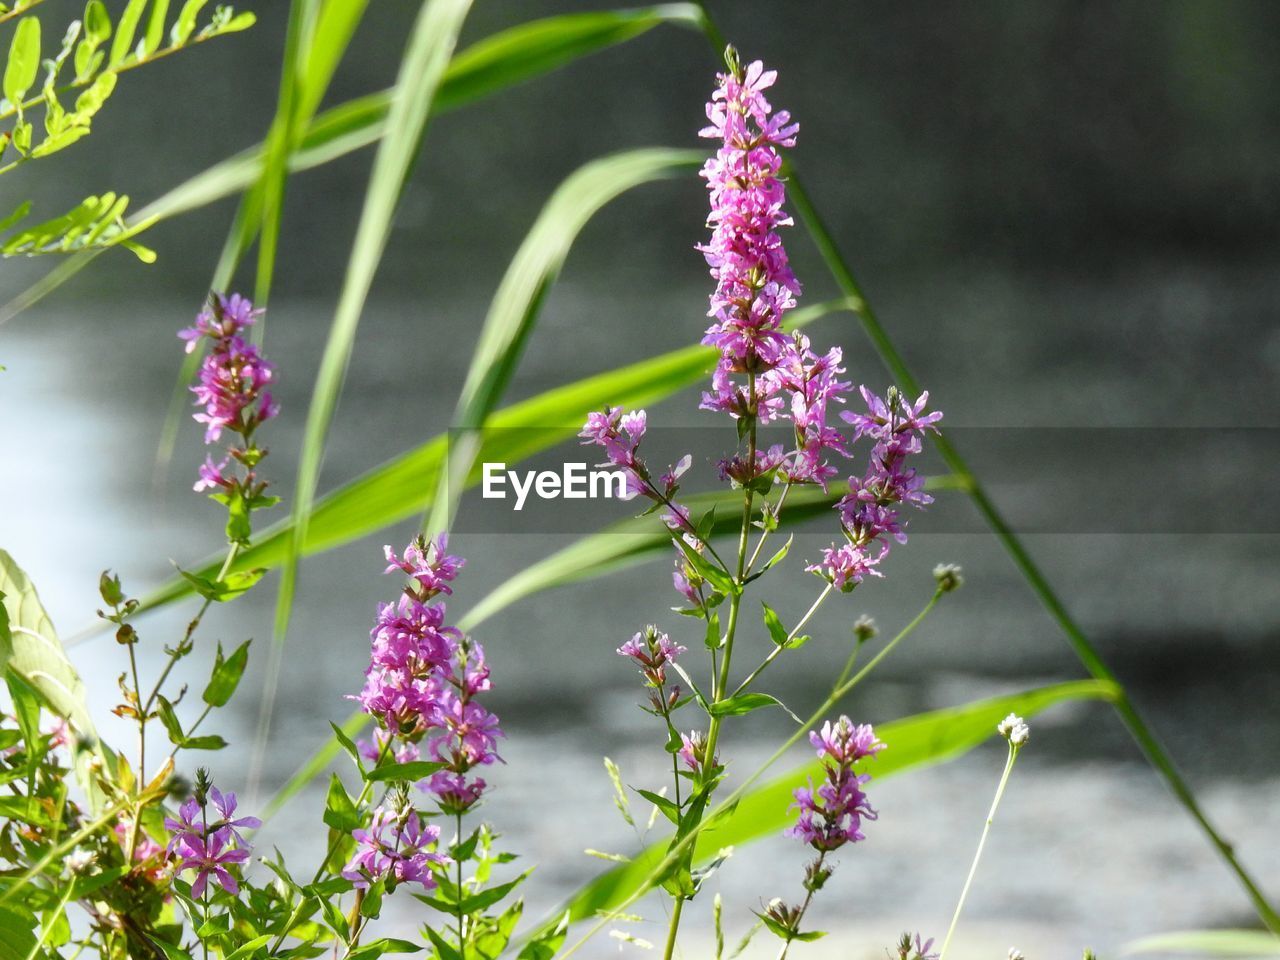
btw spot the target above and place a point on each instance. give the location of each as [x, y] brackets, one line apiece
[1065, 213]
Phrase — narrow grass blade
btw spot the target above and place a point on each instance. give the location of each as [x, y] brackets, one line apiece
[518, 301]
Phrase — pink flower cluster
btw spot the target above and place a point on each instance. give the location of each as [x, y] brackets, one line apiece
[651, 651]
[868, 514]
[423, 678]
[209, 845]
[832, 815]
[397, 848]
[619, 435]
[232, 389]
[754, 282]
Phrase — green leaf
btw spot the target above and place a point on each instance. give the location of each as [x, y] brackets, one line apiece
[547, 941]
[340, 811]
[414, 770]
[1210, 943]
[745, 703]
[185, 25]
[916, 741]
[155, 27]
[122, 46]
[209, 742]
[29, 647]
[426, 56]
[24, 61]
[26, 708]
[518, 301]
[226, 675]
[228, 588]
[17, 932]
[170, 720]
[777, 632]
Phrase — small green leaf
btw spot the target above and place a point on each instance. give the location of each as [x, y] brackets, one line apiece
[713, 640]
[777, 632]
[155, 27]
[170, 720]
[231, 586]
[122, 46]
[666, 806]
[226, 675]
[415, 770]
[210, 742]
[340, 812]
[24, 62]
[185, 25]
[745, 703]
[97, 22]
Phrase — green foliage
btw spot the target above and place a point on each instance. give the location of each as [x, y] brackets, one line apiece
[80, 63]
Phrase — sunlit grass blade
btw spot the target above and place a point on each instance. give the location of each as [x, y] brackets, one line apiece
[426, 56]
[913, 742]
[488, 66]
[1209, 943]
[1084, 649]
[406, 485]
[518, 301]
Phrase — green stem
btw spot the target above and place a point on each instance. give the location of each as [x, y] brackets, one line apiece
[1088, 655]
[673, 928]
[804, 908]
[462, 943]
[982, 842]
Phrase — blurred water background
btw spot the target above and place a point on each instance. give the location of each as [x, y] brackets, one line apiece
[1066, 215]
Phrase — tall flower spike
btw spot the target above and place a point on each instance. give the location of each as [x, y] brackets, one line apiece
[754, 282]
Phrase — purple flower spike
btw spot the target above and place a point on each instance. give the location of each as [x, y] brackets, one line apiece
[832, 814]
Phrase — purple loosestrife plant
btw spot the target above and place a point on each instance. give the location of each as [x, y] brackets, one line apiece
[234, 397]
[764, 375]
[422, 687]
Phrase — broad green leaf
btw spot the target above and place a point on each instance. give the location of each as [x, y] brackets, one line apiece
[1209, 943]
[17, 932]
[912, 742]
[30, 647]
[406, 485]
[427, 54]
[24, 60]
[518, 301]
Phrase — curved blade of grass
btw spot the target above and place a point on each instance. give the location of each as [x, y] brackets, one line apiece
[314, 766]
[509, 57]
[406, 485]
[913, 742]
[518, 301]
[1084, 649]
[427, 54]
[1209, 943]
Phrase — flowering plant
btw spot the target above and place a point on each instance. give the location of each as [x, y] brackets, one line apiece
[164, 866]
